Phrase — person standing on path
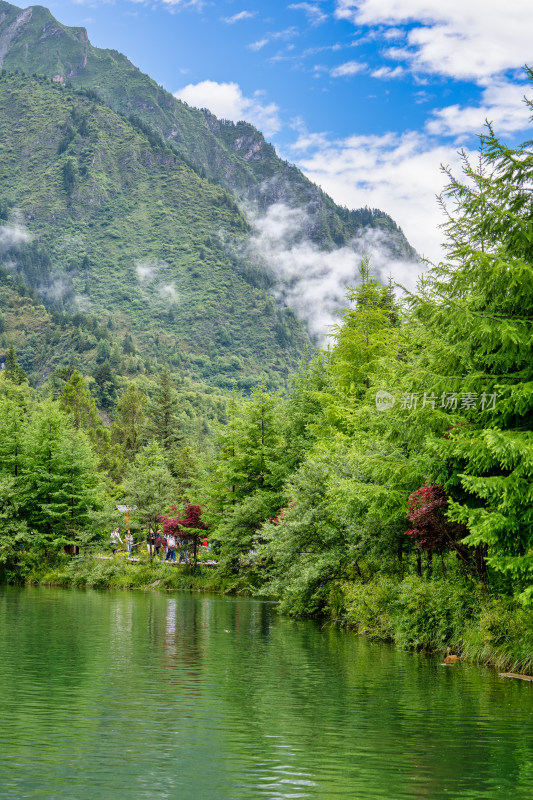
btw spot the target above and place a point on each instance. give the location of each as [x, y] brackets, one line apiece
[129, 542]
[115, 540]
[184, 551]
[171, 548]
[159, 541]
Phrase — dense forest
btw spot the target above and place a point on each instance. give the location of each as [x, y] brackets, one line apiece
[388, 488]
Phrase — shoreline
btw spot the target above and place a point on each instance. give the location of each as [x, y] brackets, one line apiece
[416, 614]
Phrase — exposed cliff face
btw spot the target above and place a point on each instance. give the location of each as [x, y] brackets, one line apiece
[10, 28]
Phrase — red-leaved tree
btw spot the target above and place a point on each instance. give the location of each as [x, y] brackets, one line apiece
[188, 525]
[432, 530]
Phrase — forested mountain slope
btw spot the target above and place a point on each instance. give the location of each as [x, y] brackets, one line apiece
[99, 217]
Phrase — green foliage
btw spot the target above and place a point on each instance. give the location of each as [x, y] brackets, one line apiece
[478, 309]
[61, 482]
[305, 493]
[14, 536]
[69, 173]
[127, 427]
[13, 371]
[164, 417]
[49, 472]
[245, 484]
[149, 486]
[432, 615]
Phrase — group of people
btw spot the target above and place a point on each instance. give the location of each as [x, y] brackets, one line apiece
[169, 544]
[161, 544]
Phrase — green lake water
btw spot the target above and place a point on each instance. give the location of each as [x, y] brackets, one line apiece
[148, 695]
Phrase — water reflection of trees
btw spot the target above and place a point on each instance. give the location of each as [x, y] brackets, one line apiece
[400, 724]
[249, 704]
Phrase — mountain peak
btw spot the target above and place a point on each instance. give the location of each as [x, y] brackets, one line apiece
[25, 43]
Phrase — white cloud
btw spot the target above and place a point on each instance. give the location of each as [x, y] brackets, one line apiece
[387, 73]
[286, 33]
[13, 234]
[463, 39]
[310, 280]
[227, 101]
[393, 33]
[255, 46]
[177, 5]
[147, 270]
[313, 12]
[167, 292]
[501, 103]
[349, 68]
[239, 17]
[397, 173]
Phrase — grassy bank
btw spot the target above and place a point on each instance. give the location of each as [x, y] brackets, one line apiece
[432, 614]
[414, 613]
[92, 572]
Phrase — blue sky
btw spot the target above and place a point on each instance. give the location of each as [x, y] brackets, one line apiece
[367, 97]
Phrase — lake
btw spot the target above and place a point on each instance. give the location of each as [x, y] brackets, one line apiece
[151, 695]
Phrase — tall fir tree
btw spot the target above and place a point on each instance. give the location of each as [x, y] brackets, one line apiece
[166, 426]
[60, 477]
[478, 309]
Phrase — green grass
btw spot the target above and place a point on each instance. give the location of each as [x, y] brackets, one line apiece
[117, 573]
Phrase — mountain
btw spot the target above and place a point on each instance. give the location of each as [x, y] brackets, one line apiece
[124, 210]
[234, 155]
[100, 217]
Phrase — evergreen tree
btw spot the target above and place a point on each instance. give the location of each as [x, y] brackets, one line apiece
[478, 308]
[129, 419]
[13, 528]
[166, 427]
[60, 476]
[79, 404]
[13, 371]
[367, 327]
[13, 421]
[149, 485]
[106, 385]
[77, 401]
[248, 475]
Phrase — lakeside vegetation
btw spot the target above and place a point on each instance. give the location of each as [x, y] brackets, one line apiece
[426, 614]
[387, 488]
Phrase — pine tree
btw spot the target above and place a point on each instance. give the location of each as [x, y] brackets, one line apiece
[248, 475]
[129, 419]
[13, 421]
[13, 371]
[149, 485]
[79, 404]
[166, 427]
[366, 327]
[478, 309]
